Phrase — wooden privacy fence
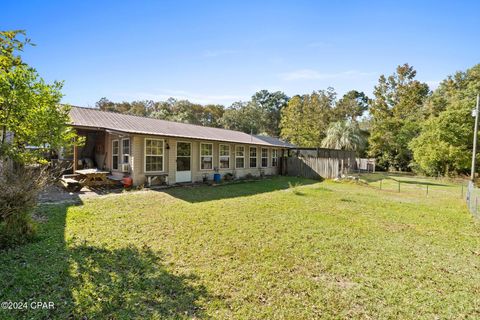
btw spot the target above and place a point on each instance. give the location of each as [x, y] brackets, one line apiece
[316, 163]
[313, 167]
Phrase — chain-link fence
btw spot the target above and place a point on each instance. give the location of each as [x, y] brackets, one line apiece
[473, 199]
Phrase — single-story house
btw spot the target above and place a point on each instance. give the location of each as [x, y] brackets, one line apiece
[146, 148]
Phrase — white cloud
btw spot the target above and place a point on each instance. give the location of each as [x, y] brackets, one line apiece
[310, 74]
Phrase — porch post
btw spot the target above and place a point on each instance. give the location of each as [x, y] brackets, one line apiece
[75, 155]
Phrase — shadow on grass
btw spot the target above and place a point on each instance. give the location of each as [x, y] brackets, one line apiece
[375, 177]
[91, 282]
[130, 283]
[425, 183]
[236, 189]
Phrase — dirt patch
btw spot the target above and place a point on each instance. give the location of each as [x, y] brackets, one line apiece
[57, 194]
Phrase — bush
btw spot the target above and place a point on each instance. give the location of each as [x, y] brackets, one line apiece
[228, 176]
[248, 176]
[19, 189]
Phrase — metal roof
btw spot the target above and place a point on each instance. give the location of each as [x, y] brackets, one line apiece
[275, 141]
[95, 118]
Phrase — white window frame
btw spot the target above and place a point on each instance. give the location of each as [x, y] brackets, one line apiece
[262, 157]
[155, 155]
[201, 156]
[275, 151]
[116, 155]
[250, 157]
[236, 156]
[190, 157]
[220, 156]
[129, 151]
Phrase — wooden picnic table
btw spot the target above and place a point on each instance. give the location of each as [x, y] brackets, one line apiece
[93, 177]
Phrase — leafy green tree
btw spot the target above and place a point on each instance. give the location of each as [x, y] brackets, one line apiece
[137, 108]
[345, 135]
[243, 116]
[396, 115]
[270, 105]
[351, 106]
[105, 105]
[212, 114]
[30, 110]
[185, 111]
[445, 141]
[163, 109]
[305, 119]
[172, 109]
[30, 116]
[141, 108]
[260, 115]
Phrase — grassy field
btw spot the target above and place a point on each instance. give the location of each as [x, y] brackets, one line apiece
[284, 248]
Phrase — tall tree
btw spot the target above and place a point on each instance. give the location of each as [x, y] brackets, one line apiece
[30, 116]
[212, 113]
[260, 115]
[243, 116]
[396, 114]
[270, 105]
[30, 110]
[163, 109]
[305, 118]
[187, 112]
[351, 106]
[172, 109]
[105, 105]
[445, 142]
[345, 135]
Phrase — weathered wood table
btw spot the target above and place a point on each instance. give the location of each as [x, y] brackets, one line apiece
[92, 177]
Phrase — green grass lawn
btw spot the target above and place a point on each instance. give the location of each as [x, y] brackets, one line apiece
[254, 250]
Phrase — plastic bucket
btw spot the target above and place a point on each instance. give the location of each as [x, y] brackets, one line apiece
[127, 182]
[217, 177]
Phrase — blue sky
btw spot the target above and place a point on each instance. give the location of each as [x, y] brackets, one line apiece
[223, 51]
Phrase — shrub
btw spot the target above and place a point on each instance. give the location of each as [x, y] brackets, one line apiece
[248, 176]
[19, 189]
[228, 176]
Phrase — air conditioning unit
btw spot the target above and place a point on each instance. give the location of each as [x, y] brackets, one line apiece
[125, 167]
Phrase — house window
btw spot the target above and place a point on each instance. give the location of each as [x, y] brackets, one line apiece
[274, 157]
[224, 154]
[264, 157]
[154, 150]
[253, 157]
[125, 150]
[240, 157]
[206, 156]
[115, 154]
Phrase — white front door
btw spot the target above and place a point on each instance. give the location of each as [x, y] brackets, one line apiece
[184, 159]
